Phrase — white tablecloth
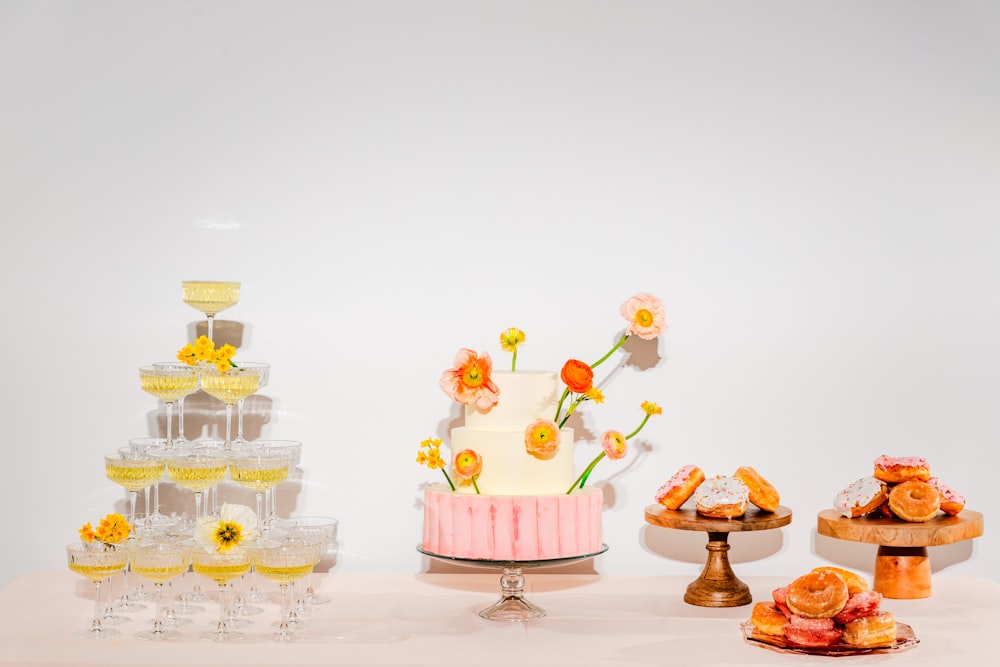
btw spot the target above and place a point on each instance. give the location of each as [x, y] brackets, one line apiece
[431, 619]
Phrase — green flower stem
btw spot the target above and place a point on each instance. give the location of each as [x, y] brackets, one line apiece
[571, 409]
[448, 478]
[513, 360]
[605, 357]
[559, 407]
[582, 479]
[639, 427]
[474, 485]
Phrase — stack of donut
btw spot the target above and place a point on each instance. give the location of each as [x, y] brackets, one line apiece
[826, 606]
[721, 497]
[900, 487]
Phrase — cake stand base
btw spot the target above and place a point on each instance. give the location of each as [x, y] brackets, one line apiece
[902, 573]
[718, 585]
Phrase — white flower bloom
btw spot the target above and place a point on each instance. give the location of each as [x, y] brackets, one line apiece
[235, 524]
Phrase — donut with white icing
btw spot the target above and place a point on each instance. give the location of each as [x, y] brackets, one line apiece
[861, 497]
[721, 497]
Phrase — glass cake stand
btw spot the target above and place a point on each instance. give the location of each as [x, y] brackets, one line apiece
[512, 606]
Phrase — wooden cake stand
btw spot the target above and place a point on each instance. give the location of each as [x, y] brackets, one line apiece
[902, 569]
[717, 586]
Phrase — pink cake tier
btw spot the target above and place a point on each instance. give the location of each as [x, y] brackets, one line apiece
[512, 528]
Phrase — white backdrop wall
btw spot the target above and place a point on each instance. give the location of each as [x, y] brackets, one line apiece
[811, 188]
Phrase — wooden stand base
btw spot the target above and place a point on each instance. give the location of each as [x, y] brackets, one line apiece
[718, 585]
[902, 573]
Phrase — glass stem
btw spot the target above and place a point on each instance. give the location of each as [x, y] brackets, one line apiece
[147, 522]
[95, 626]
[221, 628]
[197, 505]
[170, 424]
[260, 505]
[131, 503]
[180, 419]
[283, 626]
[229, 426]
[158, 623]
[239, 420]
[211, 321]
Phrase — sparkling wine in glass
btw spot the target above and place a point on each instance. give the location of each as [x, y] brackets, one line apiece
[181, 439]
[229, 387]
[159, 562]
[260, 469]
[134, 470]
[221, 568]
[97, 563]
[292, 449]
[285, 562]
[169, 385]
[322, 529]
[210, 297]
[198, 471]
[263, 371]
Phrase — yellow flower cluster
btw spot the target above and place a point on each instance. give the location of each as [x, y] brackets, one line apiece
[432, 457]
[203, 352]
[111, 530]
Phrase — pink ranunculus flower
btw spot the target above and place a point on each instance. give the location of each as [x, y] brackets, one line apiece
[541, 438]
[614, 445]
[644, 313]
[469, 381]
[468, 463]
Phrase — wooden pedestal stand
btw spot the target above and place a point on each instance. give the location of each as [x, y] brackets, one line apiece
[902, 569]
[717, 586]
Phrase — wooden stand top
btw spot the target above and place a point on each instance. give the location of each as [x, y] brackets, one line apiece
[689, 519]
[885, 531]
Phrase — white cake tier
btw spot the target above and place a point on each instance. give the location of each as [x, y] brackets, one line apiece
[524, 397]
[508, 468]
[512, 528]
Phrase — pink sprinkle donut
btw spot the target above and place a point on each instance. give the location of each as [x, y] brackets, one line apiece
[896, 469]
[676, 491]
[952, 502]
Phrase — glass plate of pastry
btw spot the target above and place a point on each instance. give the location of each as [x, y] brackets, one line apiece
[905, 638]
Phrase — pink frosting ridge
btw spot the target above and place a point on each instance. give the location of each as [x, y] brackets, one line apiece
[674, 482]
[896, 461]
[512, 528]
[946, 491]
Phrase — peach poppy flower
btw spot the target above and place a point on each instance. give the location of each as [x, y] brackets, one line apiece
[469, 381]
[614, 445]
[644, 313]
[468, 463]
[578, 376]
[541, 438]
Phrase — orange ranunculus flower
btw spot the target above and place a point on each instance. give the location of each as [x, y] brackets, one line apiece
[614, 445]
[469, 381]
[468, 464]
[578, 376]
[644, 313]
[541, 438]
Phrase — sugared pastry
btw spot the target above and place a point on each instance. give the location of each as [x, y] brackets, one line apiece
[952, 502]
[817, 595]
[855, 582]
[860, 497]
[768, 619]
[812, 631]
[859, 605]
[780, 596]
[676, 491]
[722, 498]
[870, 631]
[896, 469]
[914, 501]
[762, 493]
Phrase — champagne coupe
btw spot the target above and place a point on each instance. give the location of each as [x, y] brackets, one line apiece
[324, 530]
[264, 372]
[169, 385]
[148, 447]
[285, 562]
[229, 387]
[134, 470]
[210, 297]
[181, 439]
[221, 568]
[197, 470]
[159, 562]
[97, 564]
[259, 470]
[292, 449]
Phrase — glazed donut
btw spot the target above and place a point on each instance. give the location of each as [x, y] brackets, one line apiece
[914, 501]
[896, 469]
[875, 630]
[812, 631]
[780, 596]
[817, 595]
[768, 619]
[680, 487]
[952, 502]
[721, 497]
[860, 497]
[859, 605]
[855, 582]
[762, 494]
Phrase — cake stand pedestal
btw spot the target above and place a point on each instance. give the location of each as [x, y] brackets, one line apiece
[902, 568]
[718, 585]
[512, 606]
